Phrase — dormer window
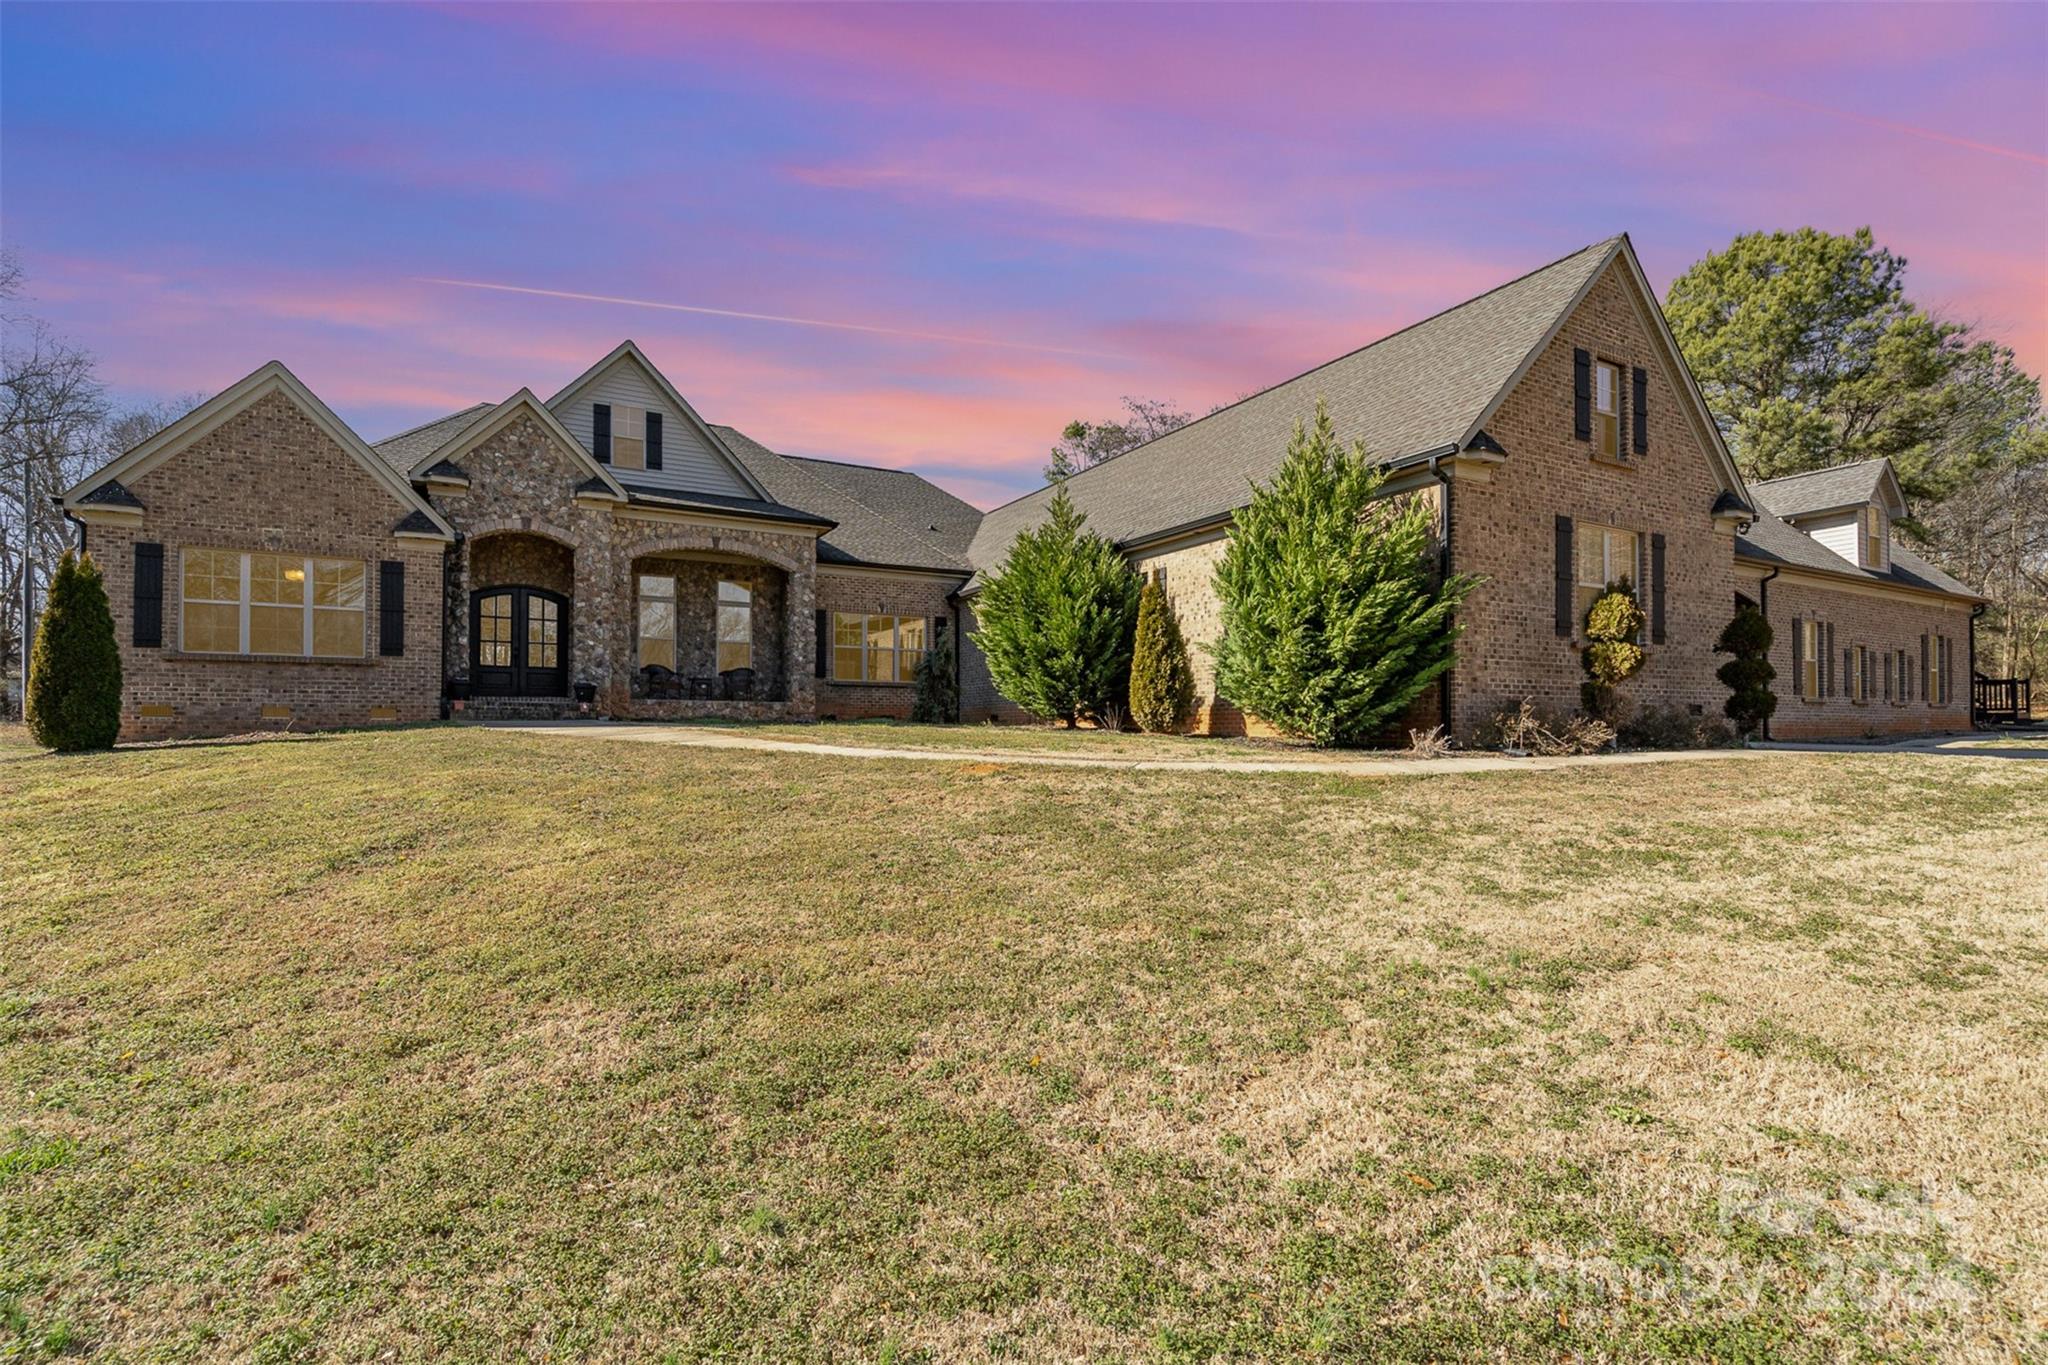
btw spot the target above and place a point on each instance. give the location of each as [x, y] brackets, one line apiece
[1873, 538]
[1607, 409]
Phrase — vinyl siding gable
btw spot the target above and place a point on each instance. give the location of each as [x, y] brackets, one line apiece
[689, 463]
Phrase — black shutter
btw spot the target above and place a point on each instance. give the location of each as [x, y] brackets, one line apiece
[821, 666]
[149, 594]
[601, 432]
[654, 440]
[1564, 573]
[1640, 442]
[1798, 657]
[391, 607]
[1656, 587]
[1582, 396]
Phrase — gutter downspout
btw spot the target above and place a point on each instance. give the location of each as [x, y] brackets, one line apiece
[1975, 612]
[1443, 568]
[1763, 606]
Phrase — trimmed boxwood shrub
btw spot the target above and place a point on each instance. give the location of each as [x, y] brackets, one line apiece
[1162, 679]
[1747, 676]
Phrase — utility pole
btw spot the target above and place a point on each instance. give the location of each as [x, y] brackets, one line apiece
[28, 574]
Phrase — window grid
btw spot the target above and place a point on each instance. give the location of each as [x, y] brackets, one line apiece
[877, 648]
[261, 602]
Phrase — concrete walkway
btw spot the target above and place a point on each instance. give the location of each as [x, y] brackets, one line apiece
[700, 737]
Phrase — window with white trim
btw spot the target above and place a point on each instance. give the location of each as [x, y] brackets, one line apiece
[877, 648]
[629, 437]
[1602, 555]
[1936, 674]
[735, 626]
[1873, 538]
[1607, 409]
[1859, 673]
[657, 621]
[1810, 646]
[258, 602]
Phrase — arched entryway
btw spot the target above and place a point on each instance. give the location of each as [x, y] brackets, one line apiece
[519, 642]
[519, 615]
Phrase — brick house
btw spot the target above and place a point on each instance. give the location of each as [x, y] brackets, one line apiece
[268, 566]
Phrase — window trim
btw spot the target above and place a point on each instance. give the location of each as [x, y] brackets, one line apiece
[867, 650]
[1580, 606]
[309, 609]
[623, 426]
[1602, 417]
[640, 636]
[1811, 644]
[1872, 534]
[744, 606]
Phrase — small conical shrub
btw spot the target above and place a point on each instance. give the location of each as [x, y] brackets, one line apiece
[74, 676]
[1749, 674]
[937, 700]
[1162, 680]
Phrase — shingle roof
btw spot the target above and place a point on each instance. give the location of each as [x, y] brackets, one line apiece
[1822, 490]
[1418, 390]
[414, 444]
[719, 502]
[1771, 541]
[876, 515]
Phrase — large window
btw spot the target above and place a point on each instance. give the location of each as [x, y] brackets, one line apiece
[1607, 409]
[735, 626]
[877, 648]
[657, 620]
[1605, 555]
[247, 602]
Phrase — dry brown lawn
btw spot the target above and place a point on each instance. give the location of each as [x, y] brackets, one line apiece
[483, 1045]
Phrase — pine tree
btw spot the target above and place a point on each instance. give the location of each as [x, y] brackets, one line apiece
[74, 680]
[1162, 680]
[1056, 619]
[1749, 674]
[937, 700]
[1332, 619]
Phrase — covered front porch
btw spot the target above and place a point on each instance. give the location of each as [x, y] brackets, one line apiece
[710, 636]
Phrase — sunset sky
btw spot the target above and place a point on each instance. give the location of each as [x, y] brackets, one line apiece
[927, 237]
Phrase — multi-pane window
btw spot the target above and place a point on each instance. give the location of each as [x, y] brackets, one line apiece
[657, 620]
[735, 626]
[543, 632]
[1604, 555]
[252, 602]
[629, 437]
[1810, 645]
[1935, 671]
[1859, 673]
[1607, 409]
[1873, 538]
[494, 630]
[877, 648]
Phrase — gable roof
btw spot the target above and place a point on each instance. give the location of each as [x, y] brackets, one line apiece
[1427, 389]
[1769, 540]
[403, 451]
[884, 516]
[272, 378]
[630, 350]
[1418, 390]
[493, 420]
[1831, 489]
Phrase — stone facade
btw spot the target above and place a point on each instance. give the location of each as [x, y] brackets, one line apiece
[522, 497]
[1882, 623]
[269, 479]
[881, 593]
[696, 601]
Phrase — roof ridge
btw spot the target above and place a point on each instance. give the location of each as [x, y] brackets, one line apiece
[1824, 469]
[848, 495]
[1326, 364]
[445, 417]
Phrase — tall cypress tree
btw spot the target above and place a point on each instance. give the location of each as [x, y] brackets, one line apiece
[1055, 621]
[1332, 619]
[1162, 680]
[74, 677]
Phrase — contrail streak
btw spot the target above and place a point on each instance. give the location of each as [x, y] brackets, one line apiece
[1910, 129]
[765, 317]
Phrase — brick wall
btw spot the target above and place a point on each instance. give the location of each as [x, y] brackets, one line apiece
[882, 594]
[1504, 528]
[268, 479]
[1881, 623]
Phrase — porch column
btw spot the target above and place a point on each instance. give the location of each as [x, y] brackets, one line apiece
[799, 637]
